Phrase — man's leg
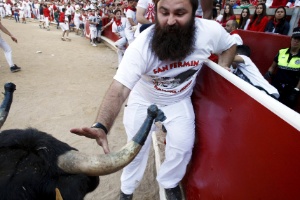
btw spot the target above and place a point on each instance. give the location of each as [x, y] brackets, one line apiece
[134, 116]
[180, 126]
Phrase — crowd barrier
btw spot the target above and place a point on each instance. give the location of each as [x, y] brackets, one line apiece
[247, 143]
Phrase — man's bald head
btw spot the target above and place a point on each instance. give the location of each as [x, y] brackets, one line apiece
[231, 25]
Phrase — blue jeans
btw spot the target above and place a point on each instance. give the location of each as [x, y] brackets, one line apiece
[17, 17]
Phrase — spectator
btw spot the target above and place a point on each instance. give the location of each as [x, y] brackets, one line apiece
[278, 24]
[231, 27]
[244, 68]
[285, 71]
[69, 12]
[7, 49]
[259, 19]
[228, 15]
[218, 16]
[46, 12]
[131, 21]
[277, 3]
[15, 9]
[118, 28]
[233, 4]
[245, 4]
[7, 7]
[2, 10]
[98, 26]
[161, 67]
[64, 25]
[244, 19]
[293, 3]
[22, 13]
[56, 17]
[76, 19]
[93, 27]
[144, 14]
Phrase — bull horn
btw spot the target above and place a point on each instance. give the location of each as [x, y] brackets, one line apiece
[9, 89]
[75, 162]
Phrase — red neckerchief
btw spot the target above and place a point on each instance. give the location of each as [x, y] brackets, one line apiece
[118, 22]
[131, 8]
[233, 32]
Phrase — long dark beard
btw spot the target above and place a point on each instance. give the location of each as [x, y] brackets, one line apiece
[173, 42]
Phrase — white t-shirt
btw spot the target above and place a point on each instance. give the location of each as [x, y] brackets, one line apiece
[167, 82]
[92, 18]
[119, 28]
[248, 70]
[69, 10]
[237, 38]
[130, 14]
[149, 7]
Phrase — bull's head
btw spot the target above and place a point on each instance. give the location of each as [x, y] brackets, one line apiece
[75, 162]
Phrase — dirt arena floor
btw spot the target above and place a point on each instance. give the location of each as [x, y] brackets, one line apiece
[61, 88]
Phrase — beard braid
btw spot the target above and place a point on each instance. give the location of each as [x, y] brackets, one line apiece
[173, 42]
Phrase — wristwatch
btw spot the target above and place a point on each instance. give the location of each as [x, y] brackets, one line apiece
[101, 126]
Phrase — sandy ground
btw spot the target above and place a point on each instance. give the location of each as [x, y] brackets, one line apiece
[61, 88]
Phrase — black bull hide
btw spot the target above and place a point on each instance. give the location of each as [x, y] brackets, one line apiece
[28, 168]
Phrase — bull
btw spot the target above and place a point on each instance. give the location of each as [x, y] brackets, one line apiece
[34, 164]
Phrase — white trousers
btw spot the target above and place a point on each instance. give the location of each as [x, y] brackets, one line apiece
[129, 34]
[121, 45]
[93, 32]
[7, 51]
[180, 125]
[46, 19]
[2, 12]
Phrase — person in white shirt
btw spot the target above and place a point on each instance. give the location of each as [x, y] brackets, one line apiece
[93, 29]
[2, 11]
[231, 27]
[131, 21]
[145, 14]
[118, 28]
[244, 68]
[8, 12]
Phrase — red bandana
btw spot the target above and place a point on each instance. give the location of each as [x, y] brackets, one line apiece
[118, 22]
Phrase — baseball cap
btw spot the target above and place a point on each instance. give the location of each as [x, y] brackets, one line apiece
[296, 33]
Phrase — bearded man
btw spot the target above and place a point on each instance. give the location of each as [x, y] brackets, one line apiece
[160, 67]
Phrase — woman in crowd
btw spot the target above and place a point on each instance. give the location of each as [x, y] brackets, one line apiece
[228, 15]
[259, 19]
[278, 24]
[244, 19]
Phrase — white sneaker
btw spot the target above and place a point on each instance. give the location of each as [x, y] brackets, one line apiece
[94, 45]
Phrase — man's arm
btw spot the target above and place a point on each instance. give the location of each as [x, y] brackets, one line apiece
[108, 111]
[237, 59]
[207, 8]
[226, 58]
[131, 21]
[140, 16]
[268, 75]
[2, 28]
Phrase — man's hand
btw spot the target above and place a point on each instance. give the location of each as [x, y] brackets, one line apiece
[14, 39]
[293, 96]
[93, 133]
[268, 75]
